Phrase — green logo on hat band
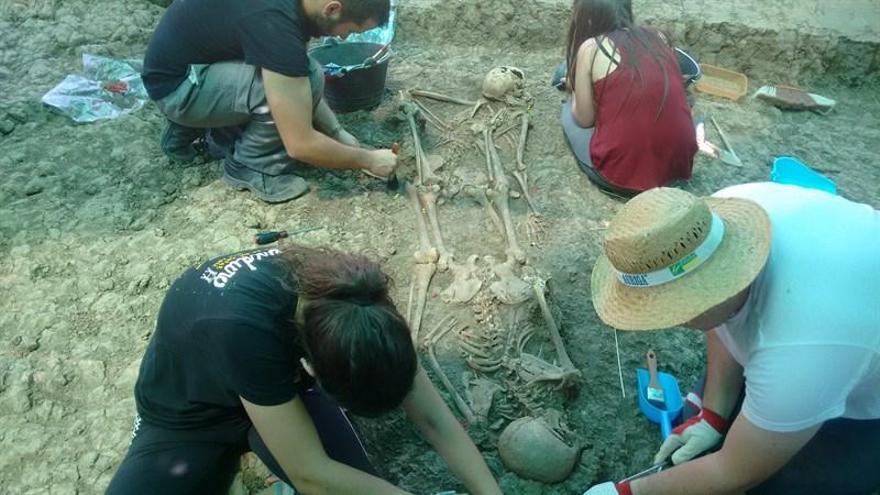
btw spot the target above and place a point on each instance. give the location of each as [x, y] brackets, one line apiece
[681, 267]
[688, 263]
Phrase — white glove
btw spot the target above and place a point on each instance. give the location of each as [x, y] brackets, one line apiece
[693, 437]
[607, 488]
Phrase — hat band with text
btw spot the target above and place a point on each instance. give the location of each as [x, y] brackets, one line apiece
[682, 267]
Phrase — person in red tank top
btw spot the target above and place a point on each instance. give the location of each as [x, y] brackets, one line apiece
[627, 120]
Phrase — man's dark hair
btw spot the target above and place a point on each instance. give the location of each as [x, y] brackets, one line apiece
[361, 11]
[357, 342]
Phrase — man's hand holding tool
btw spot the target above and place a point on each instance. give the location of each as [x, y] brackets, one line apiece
[384, 164]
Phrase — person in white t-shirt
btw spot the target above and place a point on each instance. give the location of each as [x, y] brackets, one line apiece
[785, 281]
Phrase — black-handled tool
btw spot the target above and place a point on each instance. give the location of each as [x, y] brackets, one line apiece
[262, 238]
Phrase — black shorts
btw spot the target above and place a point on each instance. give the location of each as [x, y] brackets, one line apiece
[176, 462]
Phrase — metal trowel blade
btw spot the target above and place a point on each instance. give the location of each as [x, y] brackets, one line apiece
[729, 157]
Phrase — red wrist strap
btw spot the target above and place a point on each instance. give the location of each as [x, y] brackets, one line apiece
[714, 420]
[623, 488]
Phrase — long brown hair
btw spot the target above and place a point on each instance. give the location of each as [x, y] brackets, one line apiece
[357, 342]
[597, 19]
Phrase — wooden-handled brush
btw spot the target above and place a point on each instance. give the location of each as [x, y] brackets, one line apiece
[655, 390]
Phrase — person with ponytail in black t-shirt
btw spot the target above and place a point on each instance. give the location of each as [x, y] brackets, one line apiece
[263, 350]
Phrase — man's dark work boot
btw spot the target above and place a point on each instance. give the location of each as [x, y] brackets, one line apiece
[221, 141]
[181, 143]
[269, 188]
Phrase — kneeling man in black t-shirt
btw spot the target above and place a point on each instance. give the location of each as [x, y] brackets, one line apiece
[241, 69]
[259, 351]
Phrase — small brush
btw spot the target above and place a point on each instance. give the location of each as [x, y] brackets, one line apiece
[655, 391]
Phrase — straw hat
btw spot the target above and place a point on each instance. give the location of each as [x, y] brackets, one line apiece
[671, 256]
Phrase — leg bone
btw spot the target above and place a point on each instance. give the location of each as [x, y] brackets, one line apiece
[521, 147]
[428, 199]
[434, 337]
[479, 195]
[423, 273]
[500, 198]
[522, 179]
[431, 117]
[426, 175]
[490, 168]
[539, 287]
[426, 264]
[426, 253]
[520, 173]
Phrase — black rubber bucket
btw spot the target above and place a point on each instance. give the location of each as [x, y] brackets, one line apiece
[352, 80]
[690, 69]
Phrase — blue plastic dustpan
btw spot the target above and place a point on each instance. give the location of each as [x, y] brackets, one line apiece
[665, 416]
[789, 170]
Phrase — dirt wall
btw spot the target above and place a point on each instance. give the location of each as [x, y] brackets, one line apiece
[793, 41]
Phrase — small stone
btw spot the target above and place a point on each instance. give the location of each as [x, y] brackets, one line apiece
[87, 460]
[29, 344]
[17, 156]
[16, 399]
[123, 220]
[76, 38]
[43, 411]
[6, 126]
[117, 155]
[138, 285]
[33, 188]
[62, 487]
[91, 372]
[140, 223]
[18, 114]
[253, 223]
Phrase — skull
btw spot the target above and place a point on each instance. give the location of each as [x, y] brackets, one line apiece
[531, 449]
[503, 81]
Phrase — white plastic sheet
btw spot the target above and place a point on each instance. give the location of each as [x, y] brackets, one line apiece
[107, 89]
